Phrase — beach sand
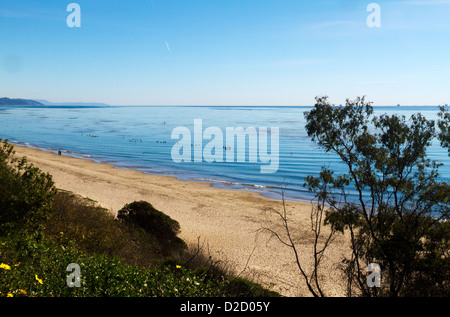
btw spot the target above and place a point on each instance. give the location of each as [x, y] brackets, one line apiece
[227, 222]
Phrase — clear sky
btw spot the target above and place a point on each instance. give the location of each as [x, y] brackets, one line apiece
[225, 52]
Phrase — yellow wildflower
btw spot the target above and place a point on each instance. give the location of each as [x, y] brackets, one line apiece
[178, 266]
[9, 295]
[38, 279]
[23, 292]
[5, 266]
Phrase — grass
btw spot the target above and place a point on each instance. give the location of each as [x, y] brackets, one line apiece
[115, 260]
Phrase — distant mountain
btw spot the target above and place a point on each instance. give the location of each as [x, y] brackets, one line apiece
[49, 103]
[40, 102]
[19, 102]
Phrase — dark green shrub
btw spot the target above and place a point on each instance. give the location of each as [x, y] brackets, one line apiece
[141, 214]
[25, 192]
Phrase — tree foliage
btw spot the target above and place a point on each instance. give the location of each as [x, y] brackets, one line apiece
[398, 217]
[26, 192]
[444, 126]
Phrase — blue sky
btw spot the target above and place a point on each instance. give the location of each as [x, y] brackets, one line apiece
[225, 52]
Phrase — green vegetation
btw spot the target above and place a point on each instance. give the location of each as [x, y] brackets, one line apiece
[25, 193]
[43, 230]
[444, 126]
[141, 214]
[400, 218]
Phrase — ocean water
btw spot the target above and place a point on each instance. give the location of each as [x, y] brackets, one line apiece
[140, 138]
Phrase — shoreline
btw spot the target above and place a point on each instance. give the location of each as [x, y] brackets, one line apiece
[227, 222]
[225, 184]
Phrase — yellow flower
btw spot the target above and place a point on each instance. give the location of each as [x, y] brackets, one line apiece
[16, 265]
[9, 295]
[5, 266]
[178, 266]
[61, 233]
[38, 279]
[23, 292]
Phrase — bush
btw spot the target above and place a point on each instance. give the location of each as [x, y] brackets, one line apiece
[141, 214]
[25, 192]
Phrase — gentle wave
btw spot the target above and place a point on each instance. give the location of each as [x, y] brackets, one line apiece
[140, 138]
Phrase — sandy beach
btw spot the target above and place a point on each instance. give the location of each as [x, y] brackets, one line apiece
[227, 222]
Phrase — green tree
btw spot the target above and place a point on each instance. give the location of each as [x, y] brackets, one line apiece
[398, 218]
[444, 126]
[26, 193]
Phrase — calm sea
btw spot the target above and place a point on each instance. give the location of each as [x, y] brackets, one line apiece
[140, 138]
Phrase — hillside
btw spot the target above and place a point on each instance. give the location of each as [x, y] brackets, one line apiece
[18, 102]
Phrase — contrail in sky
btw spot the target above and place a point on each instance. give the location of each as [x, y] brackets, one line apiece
[167, 45]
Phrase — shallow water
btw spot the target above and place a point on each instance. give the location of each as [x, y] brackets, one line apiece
[140, 138]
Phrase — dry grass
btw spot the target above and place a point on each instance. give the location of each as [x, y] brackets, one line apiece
[95, 230]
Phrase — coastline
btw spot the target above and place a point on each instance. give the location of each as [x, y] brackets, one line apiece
[269, 191]
[226, 221]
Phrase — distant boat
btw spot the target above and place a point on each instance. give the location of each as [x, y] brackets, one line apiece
[398, 105]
